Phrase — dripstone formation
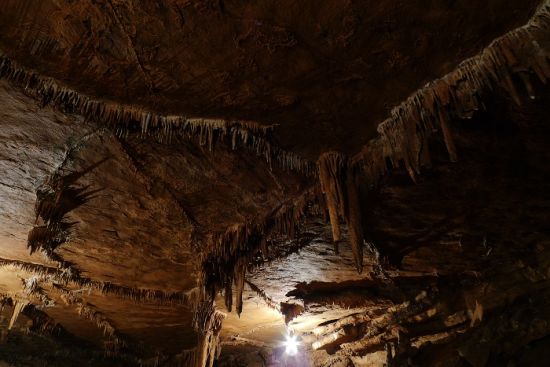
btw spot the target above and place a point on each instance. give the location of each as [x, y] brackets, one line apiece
[190, 183]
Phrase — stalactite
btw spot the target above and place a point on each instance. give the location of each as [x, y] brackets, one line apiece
[338, 182]
[230, 252]
[240, 274]
[126, 119]
[527, 83]
[41, 322]
[447, 136]
[458, 94]
[115, 342]
[64, 276]
[228, 296]
[32, 288]
[403, 138]
[331, 170]
[18, 306]
[261, 293]
[402, 141]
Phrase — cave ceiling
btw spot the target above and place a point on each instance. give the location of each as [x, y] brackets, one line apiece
[329, 70]
[184, 182]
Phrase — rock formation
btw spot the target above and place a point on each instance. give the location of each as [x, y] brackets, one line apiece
[185, 183]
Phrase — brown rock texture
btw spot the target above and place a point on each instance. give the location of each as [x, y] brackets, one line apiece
[191, 183]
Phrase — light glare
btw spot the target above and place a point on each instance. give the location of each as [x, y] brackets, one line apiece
[291, 345]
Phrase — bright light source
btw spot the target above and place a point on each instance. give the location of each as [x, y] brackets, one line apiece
[291, 345]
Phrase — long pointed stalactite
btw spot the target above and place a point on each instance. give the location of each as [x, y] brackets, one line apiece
[342, 200]
[41, 322]
[332, 172]
[18, 307]
[240, 276]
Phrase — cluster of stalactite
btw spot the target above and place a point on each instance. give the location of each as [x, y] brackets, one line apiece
[230, 255]
[225, 266]
[127, 119]
[137, 295]
[509, 61]
[338, 183]
[512, 59]
[140, 295]
[115, 341]
[33, 288]
[261, 293]
[239, 274]
[292, 162]
[54, 199]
